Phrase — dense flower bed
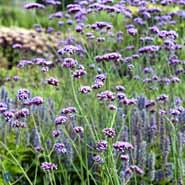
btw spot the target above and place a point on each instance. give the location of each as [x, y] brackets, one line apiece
[107, 107]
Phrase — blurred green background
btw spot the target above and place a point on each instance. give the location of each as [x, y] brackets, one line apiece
[12, 13]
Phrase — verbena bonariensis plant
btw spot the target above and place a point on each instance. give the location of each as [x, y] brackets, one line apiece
[107, 107]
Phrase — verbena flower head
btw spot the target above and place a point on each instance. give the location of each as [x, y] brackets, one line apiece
[98, 159]
[34, 6]
[101, 25]
[69, 63]
[56, 15]
[121, 95]
[106, 96]
[79, 73]
[17, 46]
[85, 89]
[16, 78]
[52, 2]
[23, 63]
[61, 120]
[109, 57]
[122, 146]
[124, 157]
[47, 166]
[68, 49]
[132, 31]
[68, 110]
[149, 49]
[109, 132]
[9, 116]
[53, 81]
[18, 124]
[120, 88]
[78, 130]
[3, 107]
[112, 107]
[100, 77]
[101, 145]
[60, 148]
[37, 100]
[24, 112]
[162, 98]
[56, 133]
[98, 84]
[23, 94]
[74, 8]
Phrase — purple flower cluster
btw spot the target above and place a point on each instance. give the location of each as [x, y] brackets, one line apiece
[78, 130]
[115, 57]
[109, 132]
[149, 49]
[106, 96]
[53, 81]
[122, 146]
[99, 81]
[79, 73]
[47, 166]
[101, 25]
[69, 50]
[23, 94]
[60, 148]
[60, 120]
[68, 110]
[34, 6]
[102, 145]
[69, 63]
[85, 89]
